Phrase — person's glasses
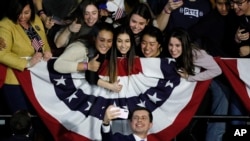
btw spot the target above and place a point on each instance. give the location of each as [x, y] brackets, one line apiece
[238, 3]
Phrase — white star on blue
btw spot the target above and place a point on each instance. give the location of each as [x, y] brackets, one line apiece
[142, 103]
[171, 60]
[154, 98]
[71, 97]
[89, 106]
[60, 81]
[169, 84]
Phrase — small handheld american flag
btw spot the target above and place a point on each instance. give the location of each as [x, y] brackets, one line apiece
[37, 44]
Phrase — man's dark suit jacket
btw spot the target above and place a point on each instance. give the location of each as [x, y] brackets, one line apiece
[116, 137]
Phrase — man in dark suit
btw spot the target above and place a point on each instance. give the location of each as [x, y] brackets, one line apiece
[140, 123]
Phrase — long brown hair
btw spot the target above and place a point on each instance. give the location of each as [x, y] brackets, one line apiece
[115, 53]
[185, 60]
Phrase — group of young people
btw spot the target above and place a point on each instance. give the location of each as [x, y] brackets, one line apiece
[90, 44]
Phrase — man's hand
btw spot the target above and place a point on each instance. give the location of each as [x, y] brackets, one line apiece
[241, 35]
[111, 114]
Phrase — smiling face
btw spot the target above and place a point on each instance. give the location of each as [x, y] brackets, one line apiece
[104, 41]
[175, 47]
[91, 15]
[123, 43]
[140, 122]
[241, 7]
[150, 46]
[137, 23]
[25, 15]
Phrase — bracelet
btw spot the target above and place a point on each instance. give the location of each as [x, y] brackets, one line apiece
[40, 12]
[166, 11]
[85, 66]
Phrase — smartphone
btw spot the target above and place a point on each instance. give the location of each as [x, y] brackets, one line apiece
[124, 112]
[243, 26]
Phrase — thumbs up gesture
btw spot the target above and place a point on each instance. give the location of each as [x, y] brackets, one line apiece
[74, 27]
[93, 65]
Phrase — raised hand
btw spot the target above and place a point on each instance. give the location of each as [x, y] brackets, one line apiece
[74, 27]
[93, 64]
[172, 5]
[111, 113]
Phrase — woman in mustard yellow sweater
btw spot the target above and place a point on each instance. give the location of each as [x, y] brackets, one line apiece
[26, 45]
